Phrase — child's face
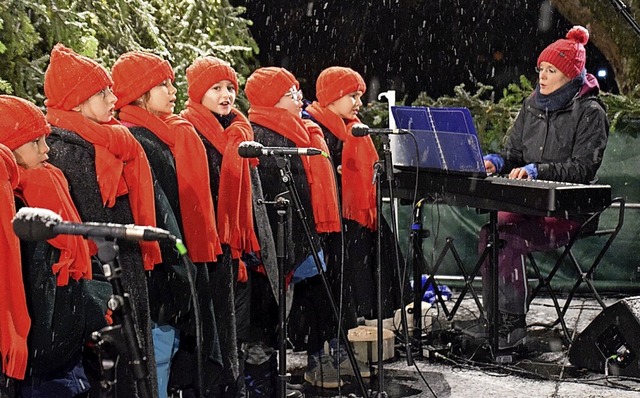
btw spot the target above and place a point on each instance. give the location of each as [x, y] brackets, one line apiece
[99, 107]
[291, 101]
[220, 97]
[32, 154]
[162, 98]
[347, 107]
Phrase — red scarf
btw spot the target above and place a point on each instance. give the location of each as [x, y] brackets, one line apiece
[46, 187]
[194, 192]
[358, 156]
[14, 316]
[317, 168]
[235, 207]
[121, 167]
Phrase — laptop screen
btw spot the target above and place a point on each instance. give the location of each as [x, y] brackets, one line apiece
[445, 141]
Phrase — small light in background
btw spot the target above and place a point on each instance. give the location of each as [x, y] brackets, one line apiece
[545, 19]
[602, 73]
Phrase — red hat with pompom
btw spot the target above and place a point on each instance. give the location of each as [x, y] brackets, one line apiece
[568, 55]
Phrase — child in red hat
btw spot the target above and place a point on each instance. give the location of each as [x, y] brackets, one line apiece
[560, 134]
[275, 114]
[143, 83]
[213, 87]
[14, 316]
[339, 93]
[108, 174]
[59, 282]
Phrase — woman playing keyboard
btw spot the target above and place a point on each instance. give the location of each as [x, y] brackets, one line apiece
[559, 134]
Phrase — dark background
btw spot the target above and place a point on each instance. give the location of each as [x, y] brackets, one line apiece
[411, 46]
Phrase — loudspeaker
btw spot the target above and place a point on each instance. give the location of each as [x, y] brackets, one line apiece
[612, 339]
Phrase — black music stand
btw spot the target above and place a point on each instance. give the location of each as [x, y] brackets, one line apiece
[381, 167]
[417, 236]
[282, 161]
[448, 145]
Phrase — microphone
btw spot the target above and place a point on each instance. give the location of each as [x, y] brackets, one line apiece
[361, 130]
[32, 223]
[253, 149]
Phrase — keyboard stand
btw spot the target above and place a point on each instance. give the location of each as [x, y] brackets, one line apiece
[419, 263]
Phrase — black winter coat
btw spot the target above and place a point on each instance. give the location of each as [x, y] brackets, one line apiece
[298, 248]
[169, 276]
[170, 296]
[76, 158]
[62, 317]
[566, 145]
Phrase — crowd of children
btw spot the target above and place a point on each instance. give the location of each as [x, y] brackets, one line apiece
[109, 148]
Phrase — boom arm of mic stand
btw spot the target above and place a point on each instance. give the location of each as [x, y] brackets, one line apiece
[622, 9]
[120, 304]
[287, 179]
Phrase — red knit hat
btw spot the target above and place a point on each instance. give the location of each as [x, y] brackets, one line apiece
[568, 54]
[337, 81]
[137, 72]
[204, 72]
[267, 85]
[21, 122]
[71, 78]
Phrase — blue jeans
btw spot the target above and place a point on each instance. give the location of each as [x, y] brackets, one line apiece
[66, 383]
[166, 340]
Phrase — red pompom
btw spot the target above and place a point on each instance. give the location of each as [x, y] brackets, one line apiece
[578, 34]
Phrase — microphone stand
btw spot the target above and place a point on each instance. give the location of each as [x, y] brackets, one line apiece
[287, 178]
[281, 205]
[112, 341]
[380, 167]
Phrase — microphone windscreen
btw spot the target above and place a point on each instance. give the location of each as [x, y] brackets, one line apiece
[250, 149]
[35, 224]
[359, 130]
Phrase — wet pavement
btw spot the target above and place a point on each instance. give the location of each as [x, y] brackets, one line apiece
[450, 364]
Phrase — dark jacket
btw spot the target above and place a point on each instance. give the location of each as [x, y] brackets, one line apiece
[170, 275]
[214, 160]
[566, 145]
[76, 158]
[169, 294]
[62, 317]
[298, 248]
[223, 281]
